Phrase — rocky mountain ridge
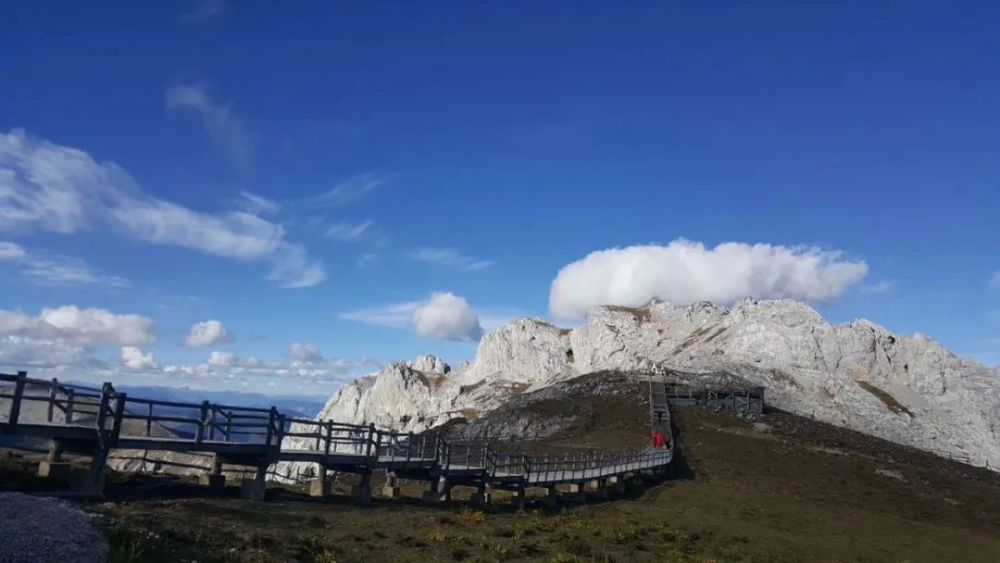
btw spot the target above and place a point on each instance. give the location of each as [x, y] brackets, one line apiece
[858, 375]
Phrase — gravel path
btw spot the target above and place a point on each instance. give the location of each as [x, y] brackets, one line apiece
[36, 529]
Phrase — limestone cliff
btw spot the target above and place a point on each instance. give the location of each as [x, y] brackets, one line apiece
[857, 375]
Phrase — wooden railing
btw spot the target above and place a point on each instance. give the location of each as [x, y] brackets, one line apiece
[119, 420]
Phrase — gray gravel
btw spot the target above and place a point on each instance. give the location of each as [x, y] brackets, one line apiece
[34, 529]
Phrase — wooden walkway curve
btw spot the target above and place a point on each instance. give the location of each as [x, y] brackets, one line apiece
[94, 421]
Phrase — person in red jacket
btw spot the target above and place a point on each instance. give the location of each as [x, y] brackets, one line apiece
[659, 440]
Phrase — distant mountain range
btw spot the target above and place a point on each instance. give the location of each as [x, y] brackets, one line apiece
[288, 405]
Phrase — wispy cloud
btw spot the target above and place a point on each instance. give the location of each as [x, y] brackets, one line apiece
[53, 188]
[448, 257]
[395, 315]
[995, 281]
[225, 129]
[258, 204]
[368, 260]
[357, 232]
[204, 10]
[54, 269]
[883, 286]
[350, 191]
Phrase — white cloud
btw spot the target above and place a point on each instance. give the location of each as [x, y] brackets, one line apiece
[217, 358]
[11, 251]
[55, 270]
[304, 352]
[259, 205]
[63, 271]
[368, 260]
[883, 286]
[293, 268]
[995, 280]
[83, 327]
[133, 358]
[448, 257]
[685, 272]
[396, 315]
[447, 317]
[206, 333]
[361, 231]
[49, 187]
[350, 190]
[444, 316]
[227, 131]
[204, 10]
[21, 351]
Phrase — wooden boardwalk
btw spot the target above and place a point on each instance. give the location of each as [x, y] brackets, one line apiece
[96, 421]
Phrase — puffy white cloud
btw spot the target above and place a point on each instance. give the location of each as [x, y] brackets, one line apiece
[206, 333]
[83, 327]
[447, 317]
[300, 352]
[448, 257]
[217, 358]
[685, 271]
[444, 316]
[49, 187]
[222, 126]
[133, 358]
[11, 251]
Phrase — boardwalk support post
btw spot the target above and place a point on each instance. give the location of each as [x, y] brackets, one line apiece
[391, 487]
[551, 496]
[521, 493]
[254, 489]
[53, 467]
[320, 486]
[215, 480]
[362, 492]
[482, 496]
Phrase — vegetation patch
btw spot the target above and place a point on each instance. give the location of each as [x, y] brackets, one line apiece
[641, 315]
[887, 399]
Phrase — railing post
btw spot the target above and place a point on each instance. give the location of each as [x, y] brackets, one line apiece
[70, 404]
[329, 436]
[280, 431]
[211, 422]
[102, 414]
[119, 414]
[371, 438]
[270, 426]
[15, 406]
[409, 448]
[149, 420]
[54, 386]
[229, 426]
[199, 436]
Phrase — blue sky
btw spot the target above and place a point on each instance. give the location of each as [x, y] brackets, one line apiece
[395, 151]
